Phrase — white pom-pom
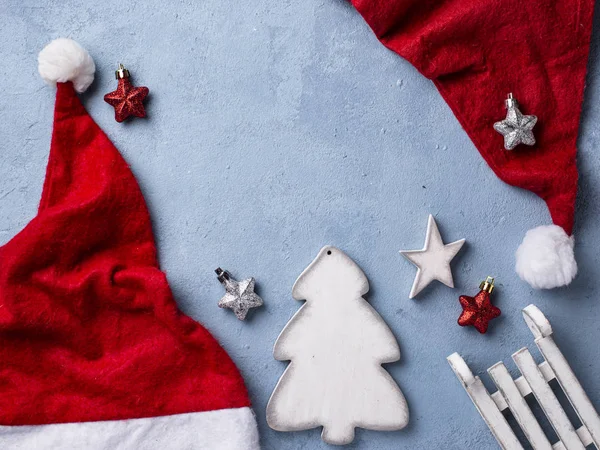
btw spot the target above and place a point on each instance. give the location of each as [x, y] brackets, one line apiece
[545, 258]
[65, 60]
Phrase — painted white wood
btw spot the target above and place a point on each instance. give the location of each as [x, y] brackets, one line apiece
[565, 376]
[519, 408]
[484, 404]
[336, 343]
[523, 386]
[534, 381]
[584, 436]
[433, 260]
[547, 400]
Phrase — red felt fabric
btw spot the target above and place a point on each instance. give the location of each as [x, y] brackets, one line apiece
[478, 51]
[89, 329]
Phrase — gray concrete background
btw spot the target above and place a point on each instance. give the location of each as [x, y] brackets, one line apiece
[276, 127]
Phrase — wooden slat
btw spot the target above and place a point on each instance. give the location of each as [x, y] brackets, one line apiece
[571, 387]
[547, 400]
[523, 387]
[484, 404]
[584, 436]
[519, 408]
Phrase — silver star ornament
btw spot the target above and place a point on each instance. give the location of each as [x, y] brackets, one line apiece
[433, 261]
[516, 128]
[239, 295]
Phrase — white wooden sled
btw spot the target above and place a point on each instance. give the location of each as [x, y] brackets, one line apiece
[534, 381]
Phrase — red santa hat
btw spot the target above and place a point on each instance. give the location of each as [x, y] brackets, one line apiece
[477, 52]
[94, 353]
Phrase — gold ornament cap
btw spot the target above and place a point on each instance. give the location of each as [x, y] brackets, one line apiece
[121, 72]
[487, 285]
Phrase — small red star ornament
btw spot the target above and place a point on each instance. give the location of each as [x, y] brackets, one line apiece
[478, 310]
[127, 99]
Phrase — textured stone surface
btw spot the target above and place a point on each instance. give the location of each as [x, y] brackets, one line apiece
[276, 127]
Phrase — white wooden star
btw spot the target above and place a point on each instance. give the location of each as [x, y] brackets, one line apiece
[433, 262]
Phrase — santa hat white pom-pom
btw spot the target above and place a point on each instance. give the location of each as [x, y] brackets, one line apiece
[65, 60]
[545, 258]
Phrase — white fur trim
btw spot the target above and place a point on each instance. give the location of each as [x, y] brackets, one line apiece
[545, 258]
[225, 429]
[65, 60]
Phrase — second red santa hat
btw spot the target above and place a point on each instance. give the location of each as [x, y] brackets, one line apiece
[476, 52]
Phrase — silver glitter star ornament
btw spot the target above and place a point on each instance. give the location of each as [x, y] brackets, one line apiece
[239, 295]
[516, 128]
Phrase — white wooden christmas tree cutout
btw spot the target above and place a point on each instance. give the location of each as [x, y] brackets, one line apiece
[433, 261]
[336, 343]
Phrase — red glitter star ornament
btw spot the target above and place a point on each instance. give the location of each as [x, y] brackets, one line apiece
[478, 310]
[127, 99]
